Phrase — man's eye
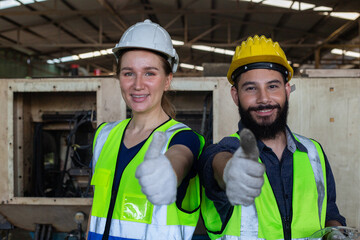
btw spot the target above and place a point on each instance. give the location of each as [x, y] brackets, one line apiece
[250, 89]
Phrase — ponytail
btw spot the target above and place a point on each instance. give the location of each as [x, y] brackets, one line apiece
[167, 106]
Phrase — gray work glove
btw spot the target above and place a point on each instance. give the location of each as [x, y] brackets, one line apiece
[156, 175]
[243, 174]
[336, 235]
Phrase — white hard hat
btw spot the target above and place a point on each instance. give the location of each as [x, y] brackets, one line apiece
[148, 35]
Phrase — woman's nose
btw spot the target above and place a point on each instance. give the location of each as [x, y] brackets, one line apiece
[138, 84]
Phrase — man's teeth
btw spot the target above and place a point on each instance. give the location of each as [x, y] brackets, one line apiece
[139, 96]
[265, 110]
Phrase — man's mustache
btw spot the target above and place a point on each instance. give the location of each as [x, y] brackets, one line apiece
[262, 107]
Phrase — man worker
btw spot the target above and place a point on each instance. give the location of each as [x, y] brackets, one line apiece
[264, 182]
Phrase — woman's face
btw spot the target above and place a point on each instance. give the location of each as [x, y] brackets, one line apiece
[143, 80]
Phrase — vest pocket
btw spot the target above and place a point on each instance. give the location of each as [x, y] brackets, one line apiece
[101, 181]
[136, 208]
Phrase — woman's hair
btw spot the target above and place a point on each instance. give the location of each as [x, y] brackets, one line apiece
[166, 104]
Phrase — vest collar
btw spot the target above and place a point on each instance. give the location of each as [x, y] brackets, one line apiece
[292, 143]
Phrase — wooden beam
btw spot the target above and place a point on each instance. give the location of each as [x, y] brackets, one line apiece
[205, 33]
[160, 11]
[224, 45]
[109, 8]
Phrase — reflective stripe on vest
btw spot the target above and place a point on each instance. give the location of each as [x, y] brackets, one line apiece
[125, 229]
[134, 216]
[100, 141]
[317, 169]
[249, 220]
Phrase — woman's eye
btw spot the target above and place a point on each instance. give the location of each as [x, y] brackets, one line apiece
[149, 74]
[128, 74]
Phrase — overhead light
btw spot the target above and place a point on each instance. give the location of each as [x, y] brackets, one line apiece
[322, 8]
[190, 66]
[82, 56]
[345, 15]
[254, 1]
[69, 58]
[203, 48]
[13, 3]
[86, 55]
[199, 68]
[9, 4]
[352, 54]
[296, 65]
[97, 53]
[177, 43]
[213, 49]
[337, 51]
[345, 53]
[302, 6]
[296, 5]
[278, 3]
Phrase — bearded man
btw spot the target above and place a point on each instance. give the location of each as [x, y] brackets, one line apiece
[265, 182]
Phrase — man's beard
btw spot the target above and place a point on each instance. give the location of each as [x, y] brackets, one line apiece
[265, 130]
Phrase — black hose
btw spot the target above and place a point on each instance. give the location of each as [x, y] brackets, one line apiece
[69, 144]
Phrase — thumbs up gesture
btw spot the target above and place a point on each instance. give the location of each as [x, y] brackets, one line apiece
[243, 174]
[156, 176]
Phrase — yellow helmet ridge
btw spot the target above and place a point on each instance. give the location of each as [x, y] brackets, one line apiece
[259, 50]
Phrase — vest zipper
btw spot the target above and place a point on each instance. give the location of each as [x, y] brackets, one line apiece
[287, 228]
[114, 192]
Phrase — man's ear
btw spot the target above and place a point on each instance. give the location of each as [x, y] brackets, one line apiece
[234, 95]
[287, 89]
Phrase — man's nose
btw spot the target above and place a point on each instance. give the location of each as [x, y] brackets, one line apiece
[263, 96]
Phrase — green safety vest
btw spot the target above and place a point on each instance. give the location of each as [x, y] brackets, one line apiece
[262, 220]
[134, 217]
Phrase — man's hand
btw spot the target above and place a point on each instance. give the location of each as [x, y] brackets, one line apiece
[156, 176]
[243, 174]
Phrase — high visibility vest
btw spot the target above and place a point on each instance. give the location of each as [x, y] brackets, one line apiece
[262, 220]
[134, 217]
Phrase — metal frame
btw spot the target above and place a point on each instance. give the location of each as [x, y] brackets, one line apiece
[23, 86]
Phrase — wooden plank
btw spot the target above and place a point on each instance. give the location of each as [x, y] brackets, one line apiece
[18, 145]
[4, 184]
[10, 139]
[60, 217]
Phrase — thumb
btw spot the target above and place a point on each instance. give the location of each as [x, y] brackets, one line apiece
[155, 146]
[248, 144]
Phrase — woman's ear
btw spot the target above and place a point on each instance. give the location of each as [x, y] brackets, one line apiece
[168, 81]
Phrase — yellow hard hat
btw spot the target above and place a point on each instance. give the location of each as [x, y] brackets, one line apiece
[258, 53]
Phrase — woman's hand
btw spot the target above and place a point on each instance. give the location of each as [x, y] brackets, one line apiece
[156, 175]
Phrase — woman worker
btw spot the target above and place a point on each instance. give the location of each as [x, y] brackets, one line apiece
[145, 184]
